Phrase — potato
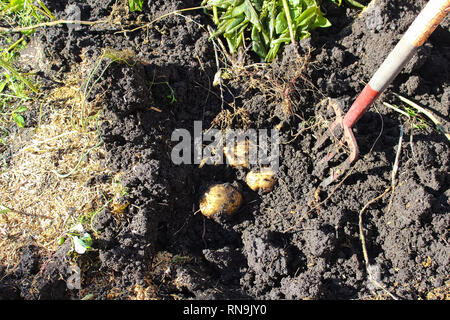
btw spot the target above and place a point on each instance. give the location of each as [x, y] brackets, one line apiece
[263, 179]
[220, 198]
[239, 156]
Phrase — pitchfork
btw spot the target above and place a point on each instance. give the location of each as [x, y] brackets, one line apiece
[419, 31]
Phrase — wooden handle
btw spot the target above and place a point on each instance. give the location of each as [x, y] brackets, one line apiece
[419, 31]
[427, 21]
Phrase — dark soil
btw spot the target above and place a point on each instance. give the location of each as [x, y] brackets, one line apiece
[275, 247]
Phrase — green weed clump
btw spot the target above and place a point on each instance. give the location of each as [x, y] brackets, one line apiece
[270, 23]
[135, 5]
[14, 90]
[24, 13]
[15, 87]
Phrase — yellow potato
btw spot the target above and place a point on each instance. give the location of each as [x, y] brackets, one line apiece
[263, 179]
[220, 198]
[239, 156]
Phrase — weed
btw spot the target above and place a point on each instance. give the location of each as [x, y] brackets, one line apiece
[178, 259]
[108, 54]
[135, 5]
[350, 2]
[419, 117]
[15, 87]
[171, 96]
[270, 23]
[24, 13]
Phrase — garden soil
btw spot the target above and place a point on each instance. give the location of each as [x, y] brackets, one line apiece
[298, 241]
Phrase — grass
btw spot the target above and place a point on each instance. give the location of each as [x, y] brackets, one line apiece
[135, 5]
[45, 171]
[45, 190]
[24, 13]
[418, 117]
[39, 206]
[16, 89]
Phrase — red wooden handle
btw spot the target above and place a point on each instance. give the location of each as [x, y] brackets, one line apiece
[419, 31]
[360, 106]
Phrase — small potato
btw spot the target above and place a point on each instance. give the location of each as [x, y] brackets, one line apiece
[220, 198]
[263, 179]
[239, 156]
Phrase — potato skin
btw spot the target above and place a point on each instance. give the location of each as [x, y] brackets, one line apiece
[220, 198]
[261, 180]
[239, 156]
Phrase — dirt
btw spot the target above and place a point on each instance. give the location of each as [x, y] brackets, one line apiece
[295, 242]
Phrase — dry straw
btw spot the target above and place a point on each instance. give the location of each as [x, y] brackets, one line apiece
[37, 205]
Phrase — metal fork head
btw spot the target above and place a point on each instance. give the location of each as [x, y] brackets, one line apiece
[343, 136]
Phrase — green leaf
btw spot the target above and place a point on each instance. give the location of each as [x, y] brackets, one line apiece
[311, 3]
[257, 43]
[266, 22]
[223, 4]
[235, 25]
[10, 69]
[305, 18]
[276, 44]
[272, 52]
[354, 3]
[135, 5]
[228, 25]
[281, 24]
[16, 5]
[251, 14]
[321, 22]
[3, 85]
[304, 34]
[238, 10]
[295, 3]
[4, 209]
[82, 244]
[46, 10]
[19, 120]
[87, 239]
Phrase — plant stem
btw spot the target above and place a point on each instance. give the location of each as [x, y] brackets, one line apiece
[51, 23]
[289, 20]
[427, 113]
[14, 44]
[364, 248]
[215, 15]
[10, 69]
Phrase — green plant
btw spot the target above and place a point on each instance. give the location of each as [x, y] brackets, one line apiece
[24, 13]
[135, 5]
[270, 23]
[81, 240]
[419, 117]
[178, 259]
[15, 88]
[171, 96]
[350, 2]
[111, 56]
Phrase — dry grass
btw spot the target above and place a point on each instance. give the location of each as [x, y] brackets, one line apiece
[42, 205]
[440, 293]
